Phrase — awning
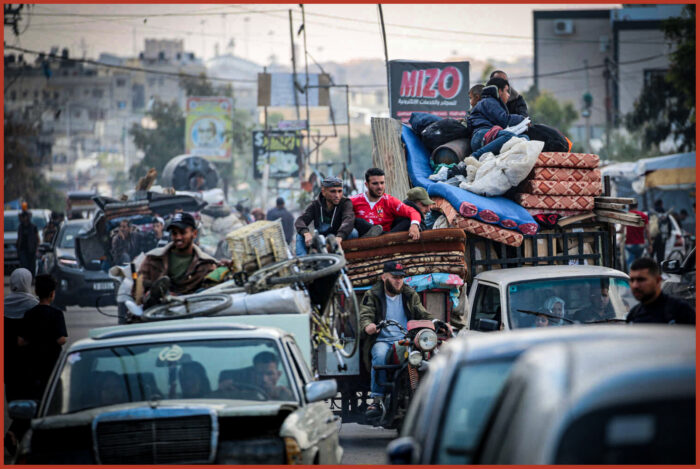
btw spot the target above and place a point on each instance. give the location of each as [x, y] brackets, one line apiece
[677, 161]
[670, 179]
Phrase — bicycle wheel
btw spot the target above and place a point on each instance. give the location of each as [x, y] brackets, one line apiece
[344, 317]
[201, 305]
[299, 269]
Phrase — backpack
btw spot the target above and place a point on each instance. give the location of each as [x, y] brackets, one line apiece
[552, 138]
[443, 131]
[654, 229]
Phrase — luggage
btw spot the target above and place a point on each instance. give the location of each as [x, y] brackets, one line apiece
[442, 132]
[420, 120]
[552, 138]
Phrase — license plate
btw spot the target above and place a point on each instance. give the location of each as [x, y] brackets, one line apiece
[103, 286]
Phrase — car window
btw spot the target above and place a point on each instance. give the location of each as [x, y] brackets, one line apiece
[68, 234]
[249, 369]
[39, 221]
[298, 362]
[473, 392]
[487, 305]
[11, 222]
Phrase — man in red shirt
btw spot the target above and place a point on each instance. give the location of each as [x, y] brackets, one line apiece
[374, 209]
[635, 238]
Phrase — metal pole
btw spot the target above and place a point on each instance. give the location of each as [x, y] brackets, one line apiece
[306, 87]
[588, 115]
[347, 110]
[294, 64]
[386, 56]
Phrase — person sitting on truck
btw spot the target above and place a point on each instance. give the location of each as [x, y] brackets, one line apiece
[124, 243]
[377, 212]
[389, 298]
[331, 213]
[417, 198]
[179, 267]
[516, 103]
[491, 114]
[475, 94]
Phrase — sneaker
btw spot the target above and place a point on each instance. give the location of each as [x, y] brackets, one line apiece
[376, 230]
[373, 410]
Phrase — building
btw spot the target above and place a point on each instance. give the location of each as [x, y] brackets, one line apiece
[607, 53]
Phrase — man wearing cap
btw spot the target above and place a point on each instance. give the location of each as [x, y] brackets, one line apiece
[178, 267]
[280, 211]
[331, 213]
[417, 198]
[389, 298]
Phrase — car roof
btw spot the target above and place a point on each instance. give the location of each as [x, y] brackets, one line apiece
[177, 329]
[518, 274]
[40, 211]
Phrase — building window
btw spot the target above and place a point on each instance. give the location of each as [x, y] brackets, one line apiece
[87, 92]
[55, 95]
[36, 94]
[97, 93]
[25, 93]
[654, 75]
[121, 81]
[13, 95]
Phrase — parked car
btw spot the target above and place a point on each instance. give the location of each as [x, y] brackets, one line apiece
[612, 401]
[75, 284]
[186, 391]
[453, 402]
[681, 278]
[508, 299]
[40, 217]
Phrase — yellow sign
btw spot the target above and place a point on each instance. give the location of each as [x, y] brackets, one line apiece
[208, 126]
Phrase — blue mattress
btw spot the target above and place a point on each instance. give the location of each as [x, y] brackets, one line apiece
[495, 210]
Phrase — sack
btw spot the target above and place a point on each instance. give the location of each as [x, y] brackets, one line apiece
[654, 229]
[441, 132]
[420, 120]
[552, 138]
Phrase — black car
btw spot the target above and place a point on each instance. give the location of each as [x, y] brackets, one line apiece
[681, 281]
[75, 284]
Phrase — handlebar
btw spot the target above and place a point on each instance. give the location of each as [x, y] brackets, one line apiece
[391, 322]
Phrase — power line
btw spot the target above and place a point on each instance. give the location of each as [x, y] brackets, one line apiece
[590, 67]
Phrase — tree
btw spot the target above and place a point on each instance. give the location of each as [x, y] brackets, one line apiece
[545, 109]
[666, 106]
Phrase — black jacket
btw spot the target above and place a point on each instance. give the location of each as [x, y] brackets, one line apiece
[665, 309]
[342, 217]
[413, 205]
[516, 104]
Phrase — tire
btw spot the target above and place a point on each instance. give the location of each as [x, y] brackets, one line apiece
[345, 317]
[310, 268]
[198, 305]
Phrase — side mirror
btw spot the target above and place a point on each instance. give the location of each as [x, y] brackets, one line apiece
[486, 325]
[671, 266]
[22, 410]
[402, 451]
[319, 390]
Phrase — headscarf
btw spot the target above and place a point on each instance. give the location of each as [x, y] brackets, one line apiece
[549, 304]
[21, 299]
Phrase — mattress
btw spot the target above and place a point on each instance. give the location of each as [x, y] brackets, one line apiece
[561, 213]
[567, 160]
[560, 202]
[539, 186]
[565, 174]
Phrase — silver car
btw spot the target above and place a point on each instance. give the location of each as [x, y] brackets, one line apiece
[193, 391]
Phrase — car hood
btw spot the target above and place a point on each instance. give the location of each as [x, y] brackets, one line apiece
[222, 407]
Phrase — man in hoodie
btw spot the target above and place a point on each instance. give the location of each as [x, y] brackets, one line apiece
[490, 116]
[331, 213]
[516, 103]
[417, 198]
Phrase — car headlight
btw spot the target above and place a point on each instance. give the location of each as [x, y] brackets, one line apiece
[426, 340]
[68, 261]
[292, 450]
[415, 358]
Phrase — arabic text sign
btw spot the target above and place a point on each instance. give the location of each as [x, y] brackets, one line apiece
[206, 125]
[280, 149]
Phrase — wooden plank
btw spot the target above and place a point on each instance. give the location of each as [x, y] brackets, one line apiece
[575, 219]
[615, 200]
[611, 206]
[633, 217]
[619, 222]
[388, 154]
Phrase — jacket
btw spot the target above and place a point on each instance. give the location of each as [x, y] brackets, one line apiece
[516, 104]
[373, 310]
[490, 111]
[384, 211]
[413, 205]
[287, 221]
[155, 265]
[342, 217]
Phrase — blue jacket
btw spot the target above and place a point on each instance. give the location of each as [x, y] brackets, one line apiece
[490, 111]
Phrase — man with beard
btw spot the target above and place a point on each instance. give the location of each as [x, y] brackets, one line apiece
[330, 213]
[377, 213]
[389, 298]
[178, 267]
[655, 305]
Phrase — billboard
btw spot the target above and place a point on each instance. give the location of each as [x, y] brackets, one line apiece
[280, 149]
[440, 88]
[279, 89]
[207, 123]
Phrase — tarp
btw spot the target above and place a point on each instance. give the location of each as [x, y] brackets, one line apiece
[679, 160]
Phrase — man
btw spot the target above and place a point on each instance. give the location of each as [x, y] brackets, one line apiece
[417, 198]
[600, 308]
[179, 267]
[377, 213]
[490, 116]
[331, 213]
[658, 245]
[51, 228]
[43, 331]
[654, 305]
[124, 244]
[156, 237]
[389, 298]
[27, 241]
[280, 211]
[264, 374]
[635, 237]
[516, 103]
[197, 182]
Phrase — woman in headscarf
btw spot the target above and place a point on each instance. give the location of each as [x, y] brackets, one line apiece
[554, 308]
[17, 302]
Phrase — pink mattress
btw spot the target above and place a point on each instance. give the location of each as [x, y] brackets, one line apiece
[559, 202]
[539, 186]
[567, 160]
[565, 174]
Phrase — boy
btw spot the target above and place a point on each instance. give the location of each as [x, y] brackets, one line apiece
[475, 94]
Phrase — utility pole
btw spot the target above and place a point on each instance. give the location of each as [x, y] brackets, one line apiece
[294, 65]
[306, 88]
[608, 107]
[586, 112]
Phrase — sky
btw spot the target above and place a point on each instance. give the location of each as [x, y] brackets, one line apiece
[258, 31]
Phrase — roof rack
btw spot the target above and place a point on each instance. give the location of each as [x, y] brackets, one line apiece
[101, 334]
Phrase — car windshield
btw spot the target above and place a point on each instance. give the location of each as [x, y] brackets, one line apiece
[475, 389]
[564, 301]
[68, 234]
[12, 222]
[248, 369]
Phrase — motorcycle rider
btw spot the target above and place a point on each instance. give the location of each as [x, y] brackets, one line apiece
[389, 298]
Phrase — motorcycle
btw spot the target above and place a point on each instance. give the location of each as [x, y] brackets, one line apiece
[406, 360]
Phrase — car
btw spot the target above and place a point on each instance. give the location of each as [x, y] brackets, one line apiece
[40, 217]
[454, 400]
[75, 284]
[612, 401]
[184, 391]
[681, 277]
[506, 299]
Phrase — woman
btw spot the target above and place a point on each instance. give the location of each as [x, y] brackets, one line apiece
[554, 308]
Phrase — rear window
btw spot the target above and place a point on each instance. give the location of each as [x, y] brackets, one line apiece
[12, 222]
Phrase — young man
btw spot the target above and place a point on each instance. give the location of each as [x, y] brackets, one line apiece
[490, 112]
[124, 243]
[516, 103]
[655, 305]
[389, 298]
[331, 213]
[179, 267]
[417, 198]
[43, 331]
[280, 211]
[475, 94]
[377, 213]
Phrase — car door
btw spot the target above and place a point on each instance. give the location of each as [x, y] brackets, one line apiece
[313, 425]
[486, 305]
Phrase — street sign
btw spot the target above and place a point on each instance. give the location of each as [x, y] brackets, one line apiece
[280, 149]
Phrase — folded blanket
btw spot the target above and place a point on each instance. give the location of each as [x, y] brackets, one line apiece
[401, 238]
[539, 186]
[568, 160]
[561, 202]
[565, 174]
[409, 249]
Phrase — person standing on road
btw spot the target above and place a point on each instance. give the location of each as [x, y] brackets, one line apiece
[636, 237]
[655, 305]
[27, 241]
[280, 211]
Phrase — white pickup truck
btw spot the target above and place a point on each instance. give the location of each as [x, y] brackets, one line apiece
[514, 298]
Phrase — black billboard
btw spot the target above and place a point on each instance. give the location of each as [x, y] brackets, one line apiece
[280, 149]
